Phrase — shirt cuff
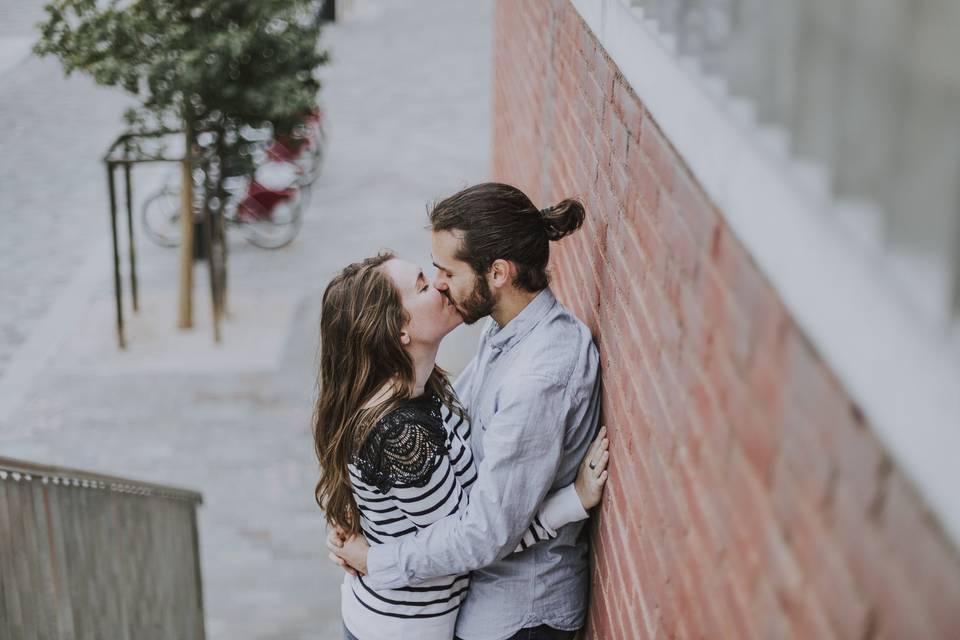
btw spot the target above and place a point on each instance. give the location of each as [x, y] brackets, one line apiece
[563, 507]
[383, 567]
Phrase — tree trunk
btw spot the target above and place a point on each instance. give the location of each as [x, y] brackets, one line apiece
[186, 227]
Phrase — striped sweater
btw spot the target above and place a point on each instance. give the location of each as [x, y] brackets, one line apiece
[415, 468]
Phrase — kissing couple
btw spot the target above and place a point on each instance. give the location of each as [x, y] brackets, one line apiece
[457, 509]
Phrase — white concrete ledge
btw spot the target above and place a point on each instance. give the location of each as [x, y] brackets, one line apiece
[901, 370]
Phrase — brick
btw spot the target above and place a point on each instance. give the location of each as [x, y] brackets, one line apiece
[658, 152]
[807, 618]
[802, 473]
[929, 568]
[685, 255]
[628, 108]
[740, 462]
[825, 570]
[619, 140]
[694, 209]
[782, 574]
[749, 501]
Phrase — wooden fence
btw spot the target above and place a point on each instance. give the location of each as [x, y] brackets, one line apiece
[88, 556]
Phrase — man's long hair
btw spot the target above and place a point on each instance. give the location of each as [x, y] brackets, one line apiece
[499, 221]
[360, 353]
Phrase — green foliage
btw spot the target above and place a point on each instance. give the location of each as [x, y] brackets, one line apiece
[200, 64]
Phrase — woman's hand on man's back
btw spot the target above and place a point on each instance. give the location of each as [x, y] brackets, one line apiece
[593, 471]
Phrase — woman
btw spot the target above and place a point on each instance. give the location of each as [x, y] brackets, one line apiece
[393, 442]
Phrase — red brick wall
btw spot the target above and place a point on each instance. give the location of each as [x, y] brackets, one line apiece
[749, 498]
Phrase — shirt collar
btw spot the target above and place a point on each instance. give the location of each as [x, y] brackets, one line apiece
[503, 338]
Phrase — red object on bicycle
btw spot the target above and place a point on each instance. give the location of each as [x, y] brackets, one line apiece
[285, 149]
[259, 202]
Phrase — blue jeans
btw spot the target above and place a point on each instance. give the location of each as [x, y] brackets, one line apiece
[543, 632]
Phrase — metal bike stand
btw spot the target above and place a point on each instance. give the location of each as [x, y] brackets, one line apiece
[126, 151]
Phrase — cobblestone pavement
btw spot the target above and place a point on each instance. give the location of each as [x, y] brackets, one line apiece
[53, 131]
[18, 17]
[407, 99]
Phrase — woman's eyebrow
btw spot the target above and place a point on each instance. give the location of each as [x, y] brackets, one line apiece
[420, 280]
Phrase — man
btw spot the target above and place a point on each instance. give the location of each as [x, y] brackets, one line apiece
[532, 394]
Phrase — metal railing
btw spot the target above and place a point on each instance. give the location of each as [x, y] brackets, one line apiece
[868, 90]
[84, 555]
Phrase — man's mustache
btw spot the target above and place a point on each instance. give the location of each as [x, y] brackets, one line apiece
[452, 303]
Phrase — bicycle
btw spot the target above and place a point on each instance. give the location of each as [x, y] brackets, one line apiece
[266, 204]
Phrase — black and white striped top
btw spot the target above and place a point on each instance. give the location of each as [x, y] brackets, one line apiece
[415, 468]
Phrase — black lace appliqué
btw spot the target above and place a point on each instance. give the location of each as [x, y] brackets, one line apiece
[405, 447]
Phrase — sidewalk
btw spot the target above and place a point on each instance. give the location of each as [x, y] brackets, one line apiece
[407, 102]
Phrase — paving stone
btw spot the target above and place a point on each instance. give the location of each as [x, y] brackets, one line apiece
[407, 101]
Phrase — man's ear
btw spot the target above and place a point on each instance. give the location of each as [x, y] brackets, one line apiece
[502, 273]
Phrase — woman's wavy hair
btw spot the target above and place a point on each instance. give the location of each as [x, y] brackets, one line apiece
[499, 221]
[361, 319]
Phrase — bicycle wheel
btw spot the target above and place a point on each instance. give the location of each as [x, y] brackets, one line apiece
[161, 217]
[278, 227]
[309, 167]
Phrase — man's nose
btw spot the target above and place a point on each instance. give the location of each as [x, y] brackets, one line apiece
[439, 283]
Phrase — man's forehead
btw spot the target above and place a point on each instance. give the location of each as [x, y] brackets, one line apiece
[448, 236]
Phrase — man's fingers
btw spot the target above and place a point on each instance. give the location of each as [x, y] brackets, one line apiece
[342, 563]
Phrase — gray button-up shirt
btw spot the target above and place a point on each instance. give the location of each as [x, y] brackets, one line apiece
[533, 396]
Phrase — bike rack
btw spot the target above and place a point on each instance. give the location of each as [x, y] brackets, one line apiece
[126, 151]
[129, 149]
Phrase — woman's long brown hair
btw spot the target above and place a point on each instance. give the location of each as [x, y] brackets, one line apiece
[360, 353]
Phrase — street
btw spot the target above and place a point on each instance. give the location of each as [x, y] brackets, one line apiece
[406, 100]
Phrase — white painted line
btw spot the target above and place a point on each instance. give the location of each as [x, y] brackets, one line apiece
[903, 373]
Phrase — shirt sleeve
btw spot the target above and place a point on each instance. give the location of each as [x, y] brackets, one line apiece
[560, 508]
[524, 445]
[441, 495]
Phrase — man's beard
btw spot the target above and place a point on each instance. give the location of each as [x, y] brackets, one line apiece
[479, 304]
